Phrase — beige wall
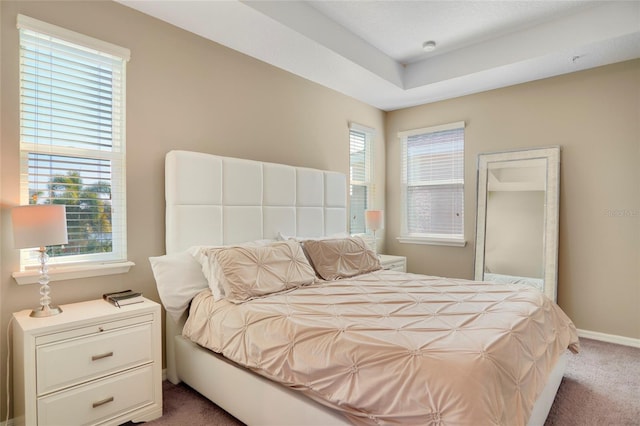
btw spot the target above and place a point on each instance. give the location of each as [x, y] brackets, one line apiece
[182, 92]
[594, 116]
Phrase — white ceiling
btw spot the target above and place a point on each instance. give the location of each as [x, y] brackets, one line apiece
[372, 50]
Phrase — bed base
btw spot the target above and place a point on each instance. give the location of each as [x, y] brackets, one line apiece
[545, 400]
[250, 398]
[255, 400]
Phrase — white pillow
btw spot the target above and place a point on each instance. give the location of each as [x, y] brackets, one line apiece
[209, 270]
[179, 278]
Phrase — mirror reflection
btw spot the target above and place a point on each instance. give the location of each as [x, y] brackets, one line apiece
[517, 218]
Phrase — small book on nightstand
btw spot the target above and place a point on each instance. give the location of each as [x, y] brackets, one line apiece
[123, 298]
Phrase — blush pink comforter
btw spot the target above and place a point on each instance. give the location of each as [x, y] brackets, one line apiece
[397, 348]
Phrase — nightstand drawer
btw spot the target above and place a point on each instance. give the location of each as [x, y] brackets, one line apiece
[393, 263]
[74, 361]
[96, 328]
[99, 400]
[395, 266]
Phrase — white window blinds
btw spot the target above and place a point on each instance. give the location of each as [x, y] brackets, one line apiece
[360, 170]
[433, 184]
[72, 117]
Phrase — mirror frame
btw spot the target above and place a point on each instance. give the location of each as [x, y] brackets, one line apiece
[551, 216]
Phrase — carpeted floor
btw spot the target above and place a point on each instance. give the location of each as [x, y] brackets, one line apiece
[601, 387]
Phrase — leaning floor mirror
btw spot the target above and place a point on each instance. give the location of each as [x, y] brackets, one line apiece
[517, 218]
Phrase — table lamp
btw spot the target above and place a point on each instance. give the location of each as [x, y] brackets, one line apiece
[374, 219]
[40, 225]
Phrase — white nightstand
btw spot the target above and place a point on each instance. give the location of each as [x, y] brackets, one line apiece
[92, 364]
[393, 263]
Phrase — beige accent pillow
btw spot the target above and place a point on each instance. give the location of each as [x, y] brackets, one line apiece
[250, 272]
[205, 256]
[341, 258]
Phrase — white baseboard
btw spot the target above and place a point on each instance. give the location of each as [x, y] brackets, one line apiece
[7, 423]
[609, 338]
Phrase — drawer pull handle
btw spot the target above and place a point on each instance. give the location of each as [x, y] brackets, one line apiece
[104, 401]
[105, 355]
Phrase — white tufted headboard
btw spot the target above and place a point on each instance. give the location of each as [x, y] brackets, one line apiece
[213, 200]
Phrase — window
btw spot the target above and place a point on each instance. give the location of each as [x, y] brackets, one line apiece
[360, 175]
[433, 185]
[72, 138]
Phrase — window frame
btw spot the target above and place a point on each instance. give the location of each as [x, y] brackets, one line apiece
[368, 183]
[91, 264]
[456, 240]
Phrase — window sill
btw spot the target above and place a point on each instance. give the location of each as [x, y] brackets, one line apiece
[60, 273]
[432, 241]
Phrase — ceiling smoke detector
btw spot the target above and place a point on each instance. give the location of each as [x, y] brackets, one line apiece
[428, 46]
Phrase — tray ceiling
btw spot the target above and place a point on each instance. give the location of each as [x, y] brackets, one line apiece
[372, 50]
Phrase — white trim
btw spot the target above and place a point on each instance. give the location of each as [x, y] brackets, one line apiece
[9, 422]
[27, 23]
[74, 272]
[432, 129]
[369, 164]
[609, 338]
[360, 128]
[452, 239]
[111, 56]
[434, 241]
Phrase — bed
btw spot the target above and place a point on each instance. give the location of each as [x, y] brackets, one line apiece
[214, 202]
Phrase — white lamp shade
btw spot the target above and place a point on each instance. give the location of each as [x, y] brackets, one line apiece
[39, 225]
[374, 219]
